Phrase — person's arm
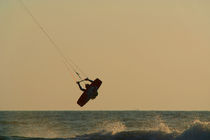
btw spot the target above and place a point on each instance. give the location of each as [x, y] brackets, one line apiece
[87, 79]
[80, 87]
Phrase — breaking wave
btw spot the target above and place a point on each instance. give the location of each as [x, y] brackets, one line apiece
[117, 131]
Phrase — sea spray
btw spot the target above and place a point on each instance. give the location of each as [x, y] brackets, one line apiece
[114, 127]
[198, 130]
[105, 125]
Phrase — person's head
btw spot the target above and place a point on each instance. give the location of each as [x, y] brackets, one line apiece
[87, 85]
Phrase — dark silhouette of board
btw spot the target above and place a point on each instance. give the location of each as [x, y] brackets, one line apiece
[84, 98]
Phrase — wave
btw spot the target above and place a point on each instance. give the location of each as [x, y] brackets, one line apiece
[197, 131]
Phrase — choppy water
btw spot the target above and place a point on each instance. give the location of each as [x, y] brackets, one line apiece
[104, 125]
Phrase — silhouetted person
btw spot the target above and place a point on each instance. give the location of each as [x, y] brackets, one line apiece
[91, 91]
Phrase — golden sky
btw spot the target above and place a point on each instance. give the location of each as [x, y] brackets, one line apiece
[150, 55]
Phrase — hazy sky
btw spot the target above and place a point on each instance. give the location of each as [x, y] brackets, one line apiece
[150, 54]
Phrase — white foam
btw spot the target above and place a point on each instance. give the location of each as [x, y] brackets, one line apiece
[113, 127]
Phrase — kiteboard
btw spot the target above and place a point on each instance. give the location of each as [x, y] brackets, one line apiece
[84, 98]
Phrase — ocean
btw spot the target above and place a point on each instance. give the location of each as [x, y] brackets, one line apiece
[104, 125]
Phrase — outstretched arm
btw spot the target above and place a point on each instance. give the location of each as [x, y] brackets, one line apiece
[87, 79]
[80, 87]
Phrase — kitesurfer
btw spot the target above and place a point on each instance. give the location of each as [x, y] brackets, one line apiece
[90, 90]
